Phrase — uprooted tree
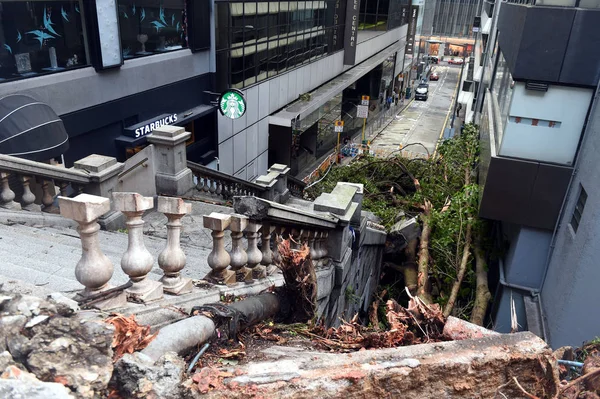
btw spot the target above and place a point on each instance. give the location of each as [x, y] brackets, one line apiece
[447, 264]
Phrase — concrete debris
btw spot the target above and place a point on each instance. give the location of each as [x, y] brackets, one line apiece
[137, 376]
[16, 383]
[49, 341]
[400, 235]
[457, 329]
[480, 368]
[60, 299]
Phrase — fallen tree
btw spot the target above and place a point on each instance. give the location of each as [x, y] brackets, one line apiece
[451, 264]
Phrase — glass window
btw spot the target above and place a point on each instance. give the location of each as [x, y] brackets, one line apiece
[152, 27]
[40, 37]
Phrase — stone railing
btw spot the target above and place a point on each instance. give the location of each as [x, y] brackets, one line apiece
[31, 185]
[222, 185]
[296, 186]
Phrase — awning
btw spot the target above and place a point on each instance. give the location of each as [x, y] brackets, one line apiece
[30, 129]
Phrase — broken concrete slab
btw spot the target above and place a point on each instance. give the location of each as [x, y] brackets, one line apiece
[401, 234]
[477, 368]
[336, 202]
[457, 329]
[16, 383]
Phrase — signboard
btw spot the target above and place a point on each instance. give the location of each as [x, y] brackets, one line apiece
[232, 104]
[351, 33]
[362, 111]
[364, 100]
[338, 126]
[412, 30]
[144, 128]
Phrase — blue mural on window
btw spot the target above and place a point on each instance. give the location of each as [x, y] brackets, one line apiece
[38, 37]
[158, 26]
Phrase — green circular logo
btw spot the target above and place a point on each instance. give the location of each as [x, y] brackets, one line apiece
[232, 104]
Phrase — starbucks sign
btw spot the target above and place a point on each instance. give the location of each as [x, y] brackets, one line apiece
[232, 104]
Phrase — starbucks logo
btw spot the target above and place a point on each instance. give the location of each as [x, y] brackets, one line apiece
[232, 104]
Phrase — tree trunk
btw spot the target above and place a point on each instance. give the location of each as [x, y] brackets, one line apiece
[410, 267]
[482, 292]
[422, 279]
[461, 273]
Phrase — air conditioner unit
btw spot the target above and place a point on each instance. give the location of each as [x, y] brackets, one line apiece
[536, 86]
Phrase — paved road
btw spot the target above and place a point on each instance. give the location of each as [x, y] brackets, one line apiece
[422, 121]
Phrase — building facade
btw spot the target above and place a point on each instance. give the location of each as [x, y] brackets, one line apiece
[113, 70]
[539, 126]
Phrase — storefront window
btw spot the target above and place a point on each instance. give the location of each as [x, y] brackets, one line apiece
[152, 27]
[38, 37]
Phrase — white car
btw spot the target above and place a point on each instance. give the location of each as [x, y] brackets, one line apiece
[456, 61]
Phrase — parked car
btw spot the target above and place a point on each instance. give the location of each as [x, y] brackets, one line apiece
[434, 76]
[433, 59]
[456, 61]
[422, 92]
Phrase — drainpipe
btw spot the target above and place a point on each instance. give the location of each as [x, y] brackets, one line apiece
[186, 334]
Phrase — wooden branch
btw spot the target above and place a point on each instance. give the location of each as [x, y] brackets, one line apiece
[461, 272]
[580, 379]
[482, 291]
[423, 267]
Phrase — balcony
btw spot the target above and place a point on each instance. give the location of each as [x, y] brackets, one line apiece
[515, 190]
[550, 44]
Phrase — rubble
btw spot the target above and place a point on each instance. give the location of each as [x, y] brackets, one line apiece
[49, 340]
[137, 376]
[16, 383]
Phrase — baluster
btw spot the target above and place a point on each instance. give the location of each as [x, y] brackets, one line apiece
[28, 198]
[317, 249]
[254, 254]
[94, 270]
[219, 189]
[238, 255]
[313, 250]
[276, 241]
[219, 259]
[137, 261]
[200, 183]
[47, 198]
[172, 259]
[267, 254]
[213, 186]
[324, 252]
[226, 190]
[63, 188]
[6, 194]
[205, 184]
[295, 239]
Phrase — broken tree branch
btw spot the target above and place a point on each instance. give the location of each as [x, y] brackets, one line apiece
[423, 268]
[461, 272]
[482, 291]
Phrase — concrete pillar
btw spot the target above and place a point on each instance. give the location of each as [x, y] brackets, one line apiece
[276, 240]
[269, 181]
[28, 198]
[172, 259]
[137, 261]
[172, 174]
[238, 255]
[94, 270]
[219, 259]
[104, 175]
[281, 187]
[267, 253]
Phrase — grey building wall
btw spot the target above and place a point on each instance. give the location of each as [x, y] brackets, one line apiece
[527, 256]
[454, 18]
[570, 292]
[243, 143]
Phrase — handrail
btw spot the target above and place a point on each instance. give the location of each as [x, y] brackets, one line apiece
[131, 169]
[211, 173]
[33, 168]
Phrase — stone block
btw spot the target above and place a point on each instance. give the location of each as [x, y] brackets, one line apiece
[216, 221]
[173, 206]
[325, 279]
[132, 202]
[336, 202]
[268, 180]
[374, 237]
[83, 208]
[342, 268]
[253, 227]
[169, 133]
[95, 163]
[174, 184]
[238, 222]
[338, 242]
[279, 168]
[457, 329]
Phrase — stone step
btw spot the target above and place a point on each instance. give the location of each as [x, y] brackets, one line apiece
[48, 255]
